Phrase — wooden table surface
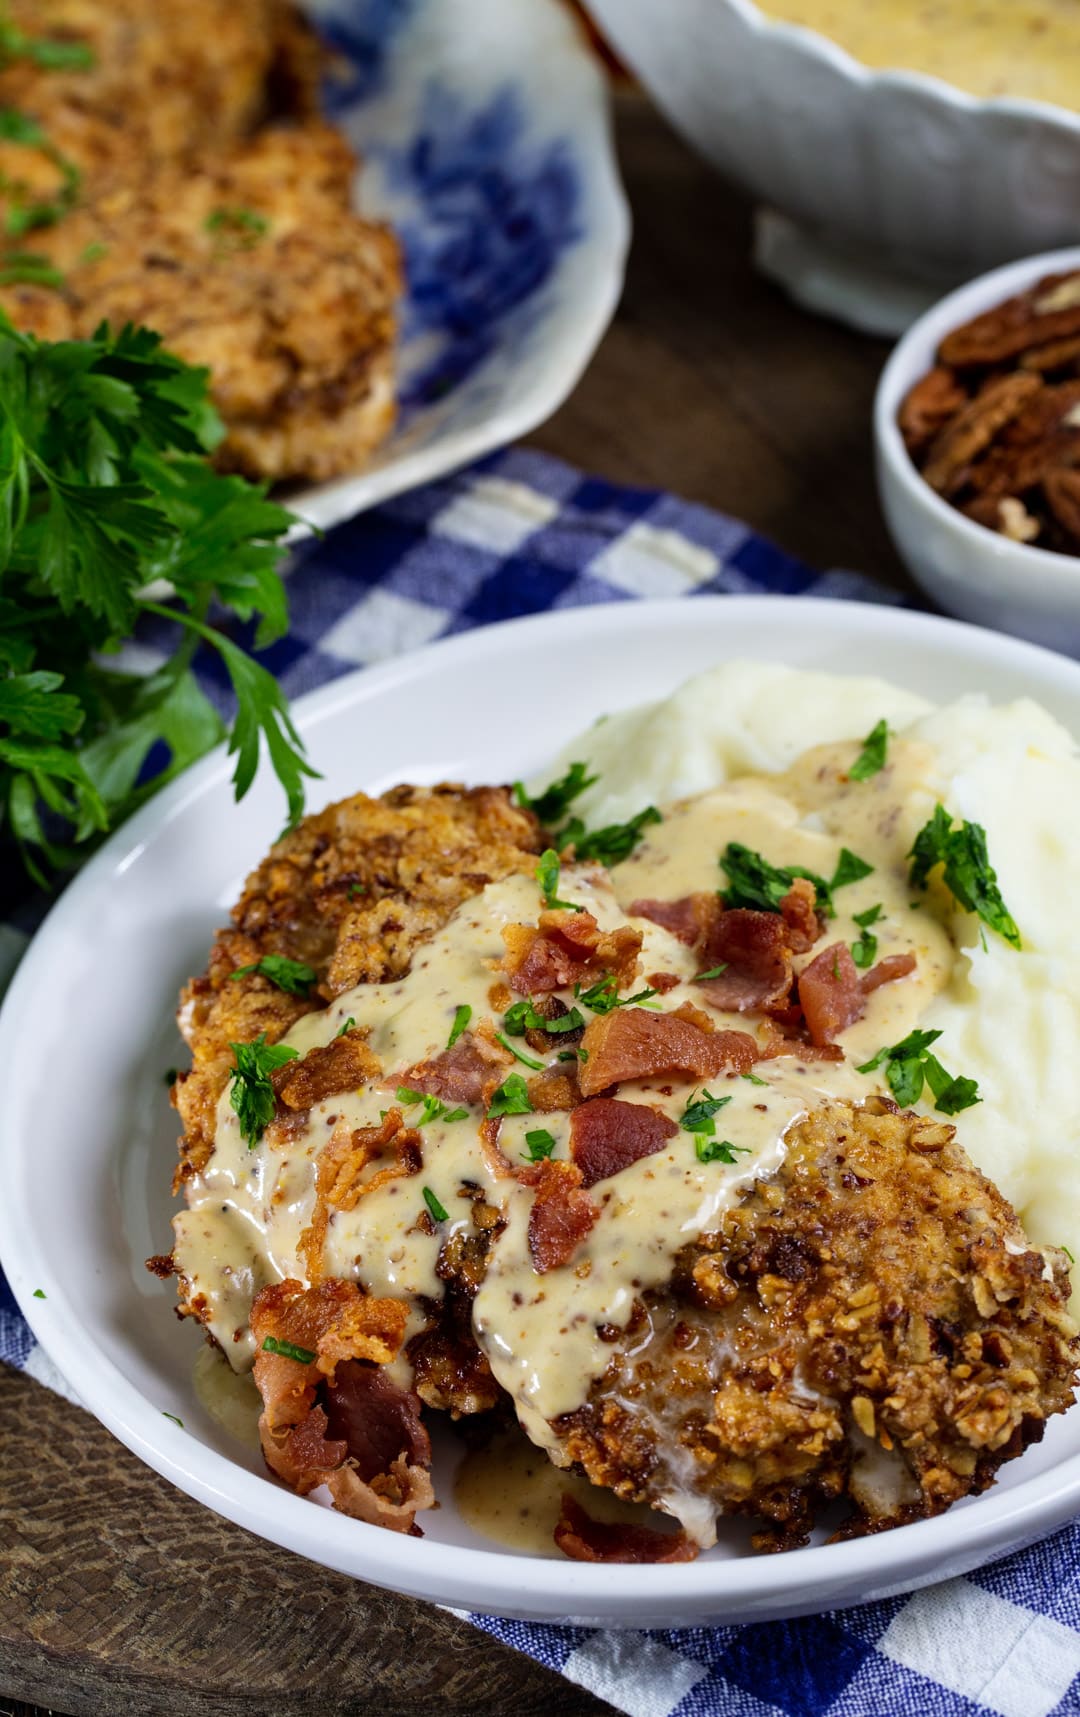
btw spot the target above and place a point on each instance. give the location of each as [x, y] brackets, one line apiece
[117, 1593]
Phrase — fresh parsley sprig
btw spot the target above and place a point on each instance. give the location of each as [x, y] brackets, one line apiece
[251, 1092]
[292, 976]
[550, 805]
[755, 883]
[547, 877]
[611, 844]
[104, 489]
[871, 759]
[909, 1064]
[967, 872]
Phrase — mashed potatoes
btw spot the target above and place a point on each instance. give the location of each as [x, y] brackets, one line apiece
[1010, 1020]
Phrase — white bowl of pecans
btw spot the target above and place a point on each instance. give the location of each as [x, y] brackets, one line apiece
[977, 431]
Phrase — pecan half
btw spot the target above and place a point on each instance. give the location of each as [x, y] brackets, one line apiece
[970, 433]
[929, 406]
[1050, 310]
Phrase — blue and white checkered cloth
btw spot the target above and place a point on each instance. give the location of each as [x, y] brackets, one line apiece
[520, 534]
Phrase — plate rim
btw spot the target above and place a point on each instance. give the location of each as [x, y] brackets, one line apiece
[809, 1580]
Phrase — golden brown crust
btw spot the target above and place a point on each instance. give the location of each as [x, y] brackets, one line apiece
[875, 1298]
[351, 893]
[215, 207]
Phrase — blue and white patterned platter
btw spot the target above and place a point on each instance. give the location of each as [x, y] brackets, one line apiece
[484, 134]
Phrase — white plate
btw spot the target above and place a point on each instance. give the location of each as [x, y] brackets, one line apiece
[484, 134]
[88, 1140]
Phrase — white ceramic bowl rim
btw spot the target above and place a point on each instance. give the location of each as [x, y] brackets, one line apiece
[960, 306]
[924, 83]
[994, 1524]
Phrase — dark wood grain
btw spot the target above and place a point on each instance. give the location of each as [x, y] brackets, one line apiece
[711, 383]
[118, 1595]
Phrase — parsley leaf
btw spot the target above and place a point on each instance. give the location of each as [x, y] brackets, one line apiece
[462, 1016]
[511, 1098]
[541, 1143]
[437, 1210]
[908, 1065]
[710, 1150]
[288, 1350]
[968, 874]
[526, 1060]
[250, 1091]
[292, 976]
[347, 1027]
[550, 805]
[611, 844]
[523, 1016]
[755, 883]
[697, 1112]
[547, 876]
[753, 1079]
[871, 758]
[48, 52]
[105, 488]
[236, 226]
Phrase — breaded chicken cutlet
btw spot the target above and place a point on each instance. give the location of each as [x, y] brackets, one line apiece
[184, 181]
[865, 1323]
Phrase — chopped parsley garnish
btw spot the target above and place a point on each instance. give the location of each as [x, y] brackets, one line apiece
[240, 226]
[356, 888]
[696, 1116]
[438, 1211]
[577, 1054]
[48, 52]
[348, 1026]
[526, 1060]
[753, 1079]
[173, 1417]
[864, 951]
[250, 1092]
[871, 758]
[24, 213]
[28, 268]
[547, 875]
[541, 1143]
[462, 1016]
[849, 868]
[1068, 1254]
[968, 874]
[40, 1294]
[523, 1017]
[288, 1350]
[909, 1064]
[755, 883]
[611, 844]
[289, 975]
[713, 972]
[511, 1098]
[549, 806]
[169, 1076]
[710, 1150]
[603, 996]
[434, 1109]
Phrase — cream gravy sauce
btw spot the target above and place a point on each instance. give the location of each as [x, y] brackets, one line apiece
[248, 1209]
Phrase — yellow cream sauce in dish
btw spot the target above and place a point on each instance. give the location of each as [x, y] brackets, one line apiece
[1028, 49]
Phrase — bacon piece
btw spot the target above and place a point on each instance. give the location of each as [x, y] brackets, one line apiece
[564, 948]
[341, 1065]
[886, 971]
[463, 1074]
[607, 1135]
[636, 1043]
[556, 1089]
[754, 947]
[830, 993]
[339, 1170]
[586, 1540]
[799, 912]
[377, 1420]
[662, 982]
[347, 1333]
[687, 919]
[561, 1216]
